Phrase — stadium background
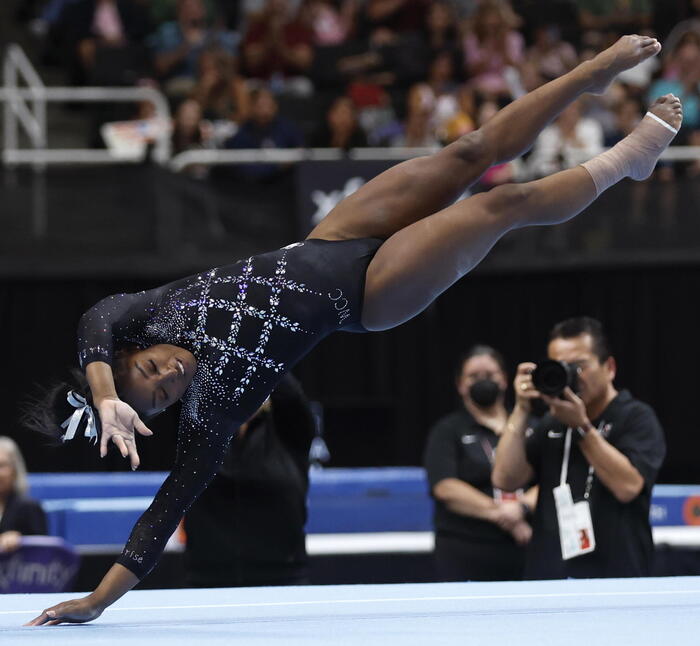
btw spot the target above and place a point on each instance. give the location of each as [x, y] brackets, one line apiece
[71, 235]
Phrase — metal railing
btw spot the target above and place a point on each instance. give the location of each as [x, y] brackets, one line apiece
[188, 158]
[25, 107]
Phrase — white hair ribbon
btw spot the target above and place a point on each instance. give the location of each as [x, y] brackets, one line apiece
[82, 408]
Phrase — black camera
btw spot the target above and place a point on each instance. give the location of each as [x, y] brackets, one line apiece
[552, 377]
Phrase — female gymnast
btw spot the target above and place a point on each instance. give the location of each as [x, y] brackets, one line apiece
[222, 339]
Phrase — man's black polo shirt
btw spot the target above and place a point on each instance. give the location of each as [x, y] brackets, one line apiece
[457, 448]
[624, 545]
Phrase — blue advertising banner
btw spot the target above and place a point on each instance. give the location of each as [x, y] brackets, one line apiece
[40, 564]
[675, 505]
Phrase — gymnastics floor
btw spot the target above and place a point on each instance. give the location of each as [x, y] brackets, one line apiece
[663, 611]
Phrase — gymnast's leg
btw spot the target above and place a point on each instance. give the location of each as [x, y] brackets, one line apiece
[420, 187]
[419, 262]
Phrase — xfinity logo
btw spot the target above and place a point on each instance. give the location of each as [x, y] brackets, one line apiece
[326, 202]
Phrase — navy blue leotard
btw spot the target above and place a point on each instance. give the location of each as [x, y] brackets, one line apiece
[247, 324]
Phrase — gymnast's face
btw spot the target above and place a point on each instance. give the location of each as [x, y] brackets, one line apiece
[152, 379]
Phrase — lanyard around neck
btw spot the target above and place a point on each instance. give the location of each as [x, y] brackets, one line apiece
[565, 466]
[488, 450]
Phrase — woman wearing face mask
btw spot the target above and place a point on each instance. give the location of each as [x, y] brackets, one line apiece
[479, 531]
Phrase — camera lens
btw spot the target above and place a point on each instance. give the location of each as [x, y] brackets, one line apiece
[550, 377]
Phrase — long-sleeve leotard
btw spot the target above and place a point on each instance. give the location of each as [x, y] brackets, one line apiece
[247, 324]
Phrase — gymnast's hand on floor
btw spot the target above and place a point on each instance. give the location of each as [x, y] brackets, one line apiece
[120, 423]
[76, 611]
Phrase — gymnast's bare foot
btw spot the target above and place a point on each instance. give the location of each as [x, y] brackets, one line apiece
[669, 109]
[652, 136]
[627, 52]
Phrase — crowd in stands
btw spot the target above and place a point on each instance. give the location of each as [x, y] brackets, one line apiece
[350, 73]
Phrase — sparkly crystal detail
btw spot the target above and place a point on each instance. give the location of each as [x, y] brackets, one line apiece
[246, 325]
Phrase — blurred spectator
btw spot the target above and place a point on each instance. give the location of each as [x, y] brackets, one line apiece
[264, 129]
[572, 139]
[618, 16]
[681, 76]
[331, 22]
[479, 532]
[397, 16]
[19, 515]
[102, 40]
[278, 46]
[221, 92]
[464, 119]
[417, 130]
[492, 46]
[247, 528]
[429, 105]
[178, 45]
[465, 8]
[628, 114]
[166, 10]
[502, 173]
[441, 80]
[375, 111]
[189, 132]
[548, 57]
[442, 34]
[402, 57]
[691, 24]
[341, 129]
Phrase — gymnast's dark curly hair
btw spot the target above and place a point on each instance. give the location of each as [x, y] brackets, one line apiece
[45, 412]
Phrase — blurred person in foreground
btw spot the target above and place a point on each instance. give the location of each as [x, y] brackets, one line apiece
[595, 457]
[247, 528]
[479, 531]
[19, 514]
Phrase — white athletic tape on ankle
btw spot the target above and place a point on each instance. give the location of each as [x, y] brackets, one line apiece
[662, 122]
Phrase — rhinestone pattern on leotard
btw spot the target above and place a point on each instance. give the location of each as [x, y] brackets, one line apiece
[246, 324]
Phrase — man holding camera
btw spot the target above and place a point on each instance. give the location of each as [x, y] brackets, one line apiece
[595, 456]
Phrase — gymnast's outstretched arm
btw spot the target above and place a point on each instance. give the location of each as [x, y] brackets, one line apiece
[202, 444]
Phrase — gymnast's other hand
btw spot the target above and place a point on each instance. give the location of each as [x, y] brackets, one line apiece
[76, 611]
[120, 423]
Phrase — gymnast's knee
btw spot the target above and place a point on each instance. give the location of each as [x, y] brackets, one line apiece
[474, 147]
[509, 203]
